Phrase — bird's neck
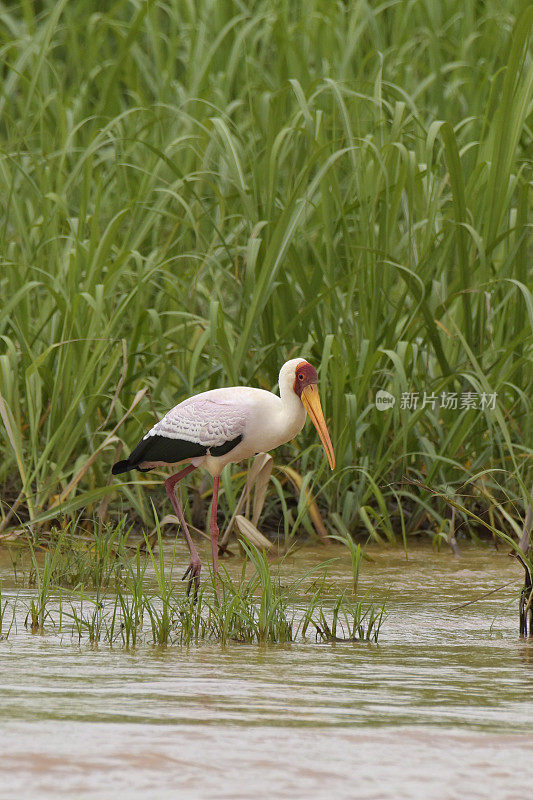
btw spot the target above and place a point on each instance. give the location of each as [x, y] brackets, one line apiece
[294, 413]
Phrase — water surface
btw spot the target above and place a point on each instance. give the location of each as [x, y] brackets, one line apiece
[442, 707]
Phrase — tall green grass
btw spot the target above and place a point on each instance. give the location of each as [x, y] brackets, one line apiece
[192, 193]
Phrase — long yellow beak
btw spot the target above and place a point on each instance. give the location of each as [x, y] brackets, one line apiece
[311, 401]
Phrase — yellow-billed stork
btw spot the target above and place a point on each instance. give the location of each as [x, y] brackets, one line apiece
[221, 426]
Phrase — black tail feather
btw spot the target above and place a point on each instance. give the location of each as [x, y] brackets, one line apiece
[121, 466]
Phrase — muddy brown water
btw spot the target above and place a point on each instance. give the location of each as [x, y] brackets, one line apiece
[442, 707]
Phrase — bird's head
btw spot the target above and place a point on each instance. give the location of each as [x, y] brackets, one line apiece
[302, 377]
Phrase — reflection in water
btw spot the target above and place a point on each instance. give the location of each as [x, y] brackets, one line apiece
[442, 707]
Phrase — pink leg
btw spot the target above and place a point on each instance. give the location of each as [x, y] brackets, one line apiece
[213, 527]
[193, 570]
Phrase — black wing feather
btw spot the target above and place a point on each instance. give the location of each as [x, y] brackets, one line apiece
[163, 448]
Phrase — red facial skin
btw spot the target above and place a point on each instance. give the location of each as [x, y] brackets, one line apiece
[304, 376]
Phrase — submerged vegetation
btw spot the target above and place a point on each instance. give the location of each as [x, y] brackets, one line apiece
[145, 603]
[191, 193]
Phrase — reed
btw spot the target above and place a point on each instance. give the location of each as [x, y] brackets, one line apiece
[191, 193]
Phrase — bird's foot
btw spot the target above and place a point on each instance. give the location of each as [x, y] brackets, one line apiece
[193, 573]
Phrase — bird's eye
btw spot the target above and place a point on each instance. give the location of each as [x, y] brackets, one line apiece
[300, 376]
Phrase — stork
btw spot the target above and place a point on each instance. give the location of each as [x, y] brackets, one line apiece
[223, 426]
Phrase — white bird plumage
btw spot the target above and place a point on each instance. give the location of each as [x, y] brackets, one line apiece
[221, 426]
[263, 419]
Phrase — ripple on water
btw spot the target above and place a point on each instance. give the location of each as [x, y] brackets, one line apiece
[442, 707]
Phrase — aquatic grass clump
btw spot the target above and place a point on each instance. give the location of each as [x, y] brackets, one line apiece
[160, 612]
[90, 623]
[345, 622]
[91, 560]
[270, 618]
[42, 577]
[71, 558]
[256, 607]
